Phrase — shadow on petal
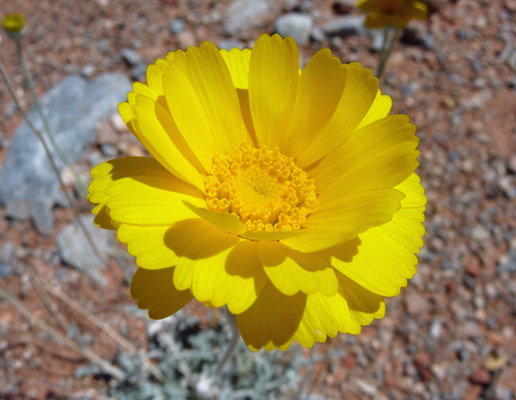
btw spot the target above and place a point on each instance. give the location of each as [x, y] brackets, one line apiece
[366, 305]
[102, 218]
[272, 320]
[154, 290]
[243, 261]
[196, 239]
[346, 251]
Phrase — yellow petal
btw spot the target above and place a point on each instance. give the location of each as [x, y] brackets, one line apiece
[272, 320]
[357, 213]
[151, 199]
[245, 110]
[359, 93]
[204, 103]
[379, 109]
[384, 258]
[126, 112]
[376, 20]
[364, 306]
[102, 218]
[414, 192]
[320, 89]
[237, 62]
[346, 311]
[419, 11]
[227, 222]
[155, 291]
[133, 185]
[155, 76]
[238, 65]
[380, 141]
[143, 89]
[195, 240]
[292, 272]
[234, 277]
[273, 81]
[217, 267]
[155, 129]
[324, 316]
[148, 245]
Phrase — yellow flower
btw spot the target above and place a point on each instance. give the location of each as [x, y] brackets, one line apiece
[398, 13]
[14, 24]
[288, 196]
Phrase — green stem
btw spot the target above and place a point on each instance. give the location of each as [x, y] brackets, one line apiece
[30, 83]
[233, 343]
[390, 37]
[39, 135]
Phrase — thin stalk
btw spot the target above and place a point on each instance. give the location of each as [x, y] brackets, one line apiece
[61, 339]
[30, 83]
[390, 37]
[39, 135]
[233, 343]
[104, 327]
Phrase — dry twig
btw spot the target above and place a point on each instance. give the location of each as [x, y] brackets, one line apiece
[104, 327]
[94, 358]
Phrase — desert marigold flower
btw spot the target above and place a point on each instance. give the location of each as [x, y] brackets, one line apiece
[288, 196]
[14, 24]
[398, 13]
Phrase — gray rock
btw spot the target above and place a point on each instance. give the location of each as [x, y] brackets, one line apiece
[377, 39]
[296, 25]
[103, 45]
[18, 209]
[5, 270]
[462, 34]
[507, 262]
[243, 14]
[317, 34]
[131, 57]
[348, 25]
[42, 217]
[73, 108]
[75, 250]
[108, 150]
[138, 72]
[177, 25]
[7, 252]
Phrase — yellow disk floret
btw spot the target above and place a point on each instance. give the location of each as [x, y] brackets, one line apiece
[263, 187]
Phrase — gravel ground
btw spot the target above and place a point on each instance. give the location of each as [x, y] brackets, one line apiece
[451, 334]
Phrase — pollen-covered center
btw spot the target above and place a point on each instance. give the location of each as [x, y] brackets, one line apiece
[263, 187]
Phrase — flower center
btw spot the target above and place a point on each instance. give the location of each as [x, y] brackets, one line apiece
[263, 187]
[390, 6]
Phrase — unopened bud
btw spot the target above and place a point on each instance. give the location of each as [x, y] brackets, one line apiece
[14, 25]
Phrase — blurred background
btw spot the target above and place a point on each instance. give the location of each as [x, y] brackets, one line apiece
[68, 327]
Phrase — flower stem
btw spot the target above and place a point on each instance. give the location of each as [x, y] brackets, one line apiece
[39, 135]
[390, 36]
[30, 84]
[233, 343]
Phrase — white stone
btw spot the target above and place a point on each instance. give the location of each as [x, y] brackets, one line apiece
[296, 25]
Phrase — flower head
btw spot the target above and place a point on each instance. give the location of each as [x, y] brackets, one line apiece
[288, 196]
[398, 13]
[14, 25]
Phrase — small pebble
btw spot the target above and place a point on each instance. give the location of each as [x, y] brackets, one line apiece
[177, 25]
